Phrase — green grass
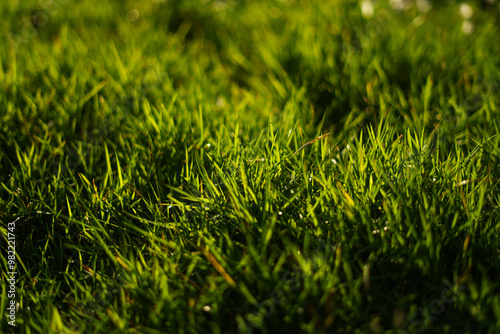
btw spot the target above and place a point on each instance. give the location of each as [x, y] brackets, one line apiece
[250, 167]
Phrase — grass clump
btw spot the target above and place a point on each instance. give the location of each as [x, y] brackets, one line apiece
[235, 166]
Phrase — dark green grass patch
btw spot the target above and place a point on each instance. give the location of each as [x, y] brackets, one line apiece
[250, 167]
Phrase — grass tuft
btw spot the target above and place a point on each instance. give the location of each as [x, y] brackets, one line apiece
[238, 167]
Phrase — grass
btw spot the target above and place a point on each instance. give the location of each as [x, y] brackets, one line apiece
[250, 167]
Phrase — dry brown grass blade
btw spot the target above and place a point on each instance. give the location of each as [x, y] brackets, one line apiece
[464, 275]
[121, 262]
[217, 265]
[310, 142]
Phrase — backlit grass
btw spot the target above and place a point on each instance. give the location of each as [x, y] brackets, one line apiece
[251, 166]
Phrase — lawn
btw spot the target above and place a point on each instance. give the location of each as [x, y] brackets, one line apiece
[240, 166]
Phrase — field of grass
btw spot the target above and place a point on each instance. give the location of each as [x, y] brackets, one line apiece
[240, 166]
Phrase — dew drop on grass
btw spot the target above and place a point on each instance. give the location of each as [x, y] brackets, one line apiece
[367, 9]
[275, 12]
[466, 11]
[467, 27]
[220, 102]
[423, 6]
[132, 15]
